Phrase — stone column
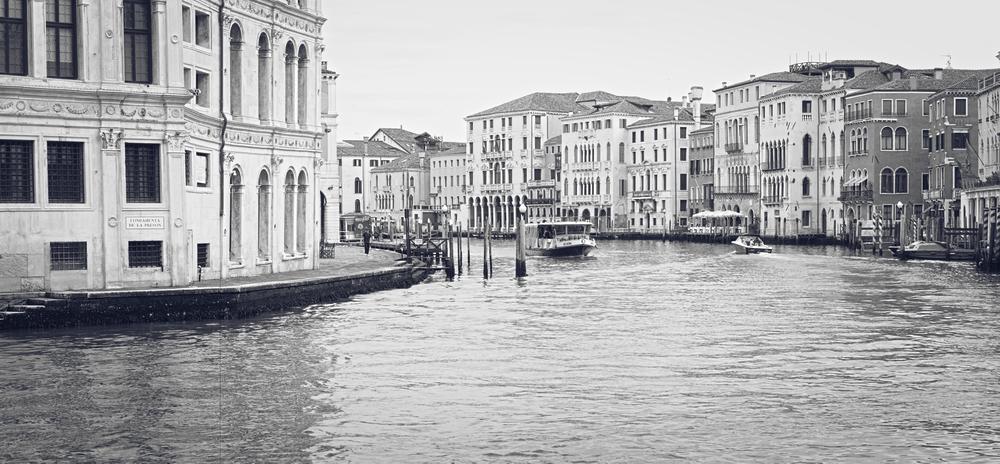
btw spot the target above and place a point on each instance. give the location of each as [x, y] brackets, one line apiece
[264, 85]
[111, 198]
[178, 249]
[37, 61]
[291, 68]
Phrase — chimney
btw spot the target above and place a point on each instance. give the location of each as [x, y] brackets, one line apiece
[696, 113]
[724, 83]
[897, 75]
[677, 112]
[913, 82]
[938, 73]
[753, 76]
[669, 99]
[684, 100]
[696, 92]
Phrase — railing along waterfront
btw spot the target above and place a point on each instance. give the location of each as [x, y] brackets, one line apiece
[858, 115]
[765, 167]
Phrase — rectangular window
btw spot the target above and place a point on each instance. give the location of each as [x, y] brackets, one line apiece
[925, 181]
[684, 181]
[201, 170]
[900, 107]
[187, 167]
[622, 123]
[186, 23]
[538, 143]
[961, 107]
[684, 132]
[60, 32]
[684, 153]
[524, 143]
[684, 205]
[188, 79]
[633, 136]
[925, 108]
[806, 218]
[607, 124]
[203, 83]
[925, 139]
[145, 254]
[959, 140]
[538, 120]
[17, 171]
[886, 107]
[65, 169]
[68, 256]
[642, 136]
[203, 255]
[138, 43]
[807, 106]
[13, 37]
[142, 173]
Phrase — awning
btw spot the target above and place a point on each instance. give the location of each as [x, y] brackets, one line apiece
[717, 214]
[856, 181]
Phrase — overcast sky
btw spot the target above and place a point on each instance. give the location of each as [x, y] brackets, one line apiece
[425, 65]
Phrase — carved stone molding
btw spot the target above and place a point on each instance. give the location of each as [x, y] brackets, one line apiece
[177, 140]
[230, 159]
[276, 161]
[111, 138]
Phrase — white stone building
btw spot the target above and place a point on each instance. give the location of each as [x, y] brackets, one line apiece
[449, 183]
[148, 143]
[658, 166]
[983, 194]
[505, 145]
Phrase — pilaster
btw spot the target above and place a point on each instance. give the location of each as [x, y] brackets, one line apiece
[112, 169]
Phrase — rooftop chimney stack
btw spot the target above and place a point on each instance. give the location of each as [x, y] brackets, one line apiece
[753, 76]
[938, 73]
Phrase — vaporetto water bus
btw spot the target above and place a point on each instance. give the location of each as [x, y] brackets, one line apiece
[559, 239]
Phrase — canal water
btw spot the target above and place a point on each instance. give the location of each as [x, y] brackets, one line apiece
[647, 352]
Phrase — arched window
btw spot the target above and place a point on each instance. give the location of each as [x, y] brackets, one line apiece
[301, 209]
[598, 155]
[263, 79]
[357, 185]
[864, 140]
[901, 138]
[289, 213]
[235, 70]
[235, 216]
[902, 181]
[807, 150]
[576, 153]
[886, 181]
[303, 92]
[756, 129]
[576, 187]
[886, 139]
[291, 66]
[621, 152]
[607, 153]
[264, 215]
[823, 148]
[805, 187]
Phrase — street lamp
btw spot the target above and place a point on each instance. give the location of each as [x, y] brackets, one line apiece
[899, 221]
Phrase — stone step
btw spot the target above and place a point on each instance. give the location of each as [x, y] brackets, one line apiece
[47, 302]
[26, 307]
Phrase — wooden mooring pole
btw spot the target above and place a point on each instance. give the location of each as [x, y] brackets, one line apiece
[520, 267]
[486, 264]
[458, 245]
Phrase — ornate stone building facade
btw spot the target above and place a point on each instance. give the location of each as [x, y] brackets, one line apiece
[159, 142]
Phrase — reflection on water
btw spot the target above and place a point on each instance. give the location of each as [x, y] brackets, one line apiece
[646, 352]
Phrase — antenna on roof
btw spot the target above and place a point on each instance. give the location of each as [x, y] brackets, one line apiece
[948, 64]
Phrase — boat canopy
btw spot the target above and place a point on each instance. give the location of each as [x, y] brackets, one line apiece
[718, 214]
[553, 229]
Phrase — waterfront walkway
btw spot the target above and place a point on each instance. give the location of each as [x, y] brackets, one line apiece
[350, 272]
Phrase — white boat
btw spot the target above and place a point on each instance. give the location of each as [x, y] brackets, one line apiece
[558, 239]
[751, 244]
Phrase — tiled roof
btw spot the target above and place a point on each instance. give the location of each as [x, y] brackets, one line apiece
[410, 161]
[557, 140]
[924, 81]
[451, 151]
[632, 105]
[683, 115]
[357, 148]
[538, 101]
[597, 95]
[400, 135]
[811, 85]
[703, 130]
[846, 63]
[780, 76]
[866, 80]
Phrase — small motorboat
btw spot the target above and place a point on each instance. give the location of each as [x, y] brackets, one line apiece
[559, 239]
[751, 244]
[925, 249]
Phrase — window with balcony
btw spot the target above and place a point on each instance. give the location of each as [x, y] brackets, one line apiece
[14, 37]
[807, 106]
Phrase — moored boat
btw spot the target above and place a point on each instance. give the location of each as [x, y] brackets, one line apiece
[558, 239]
[925, 249]
[751, 244]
